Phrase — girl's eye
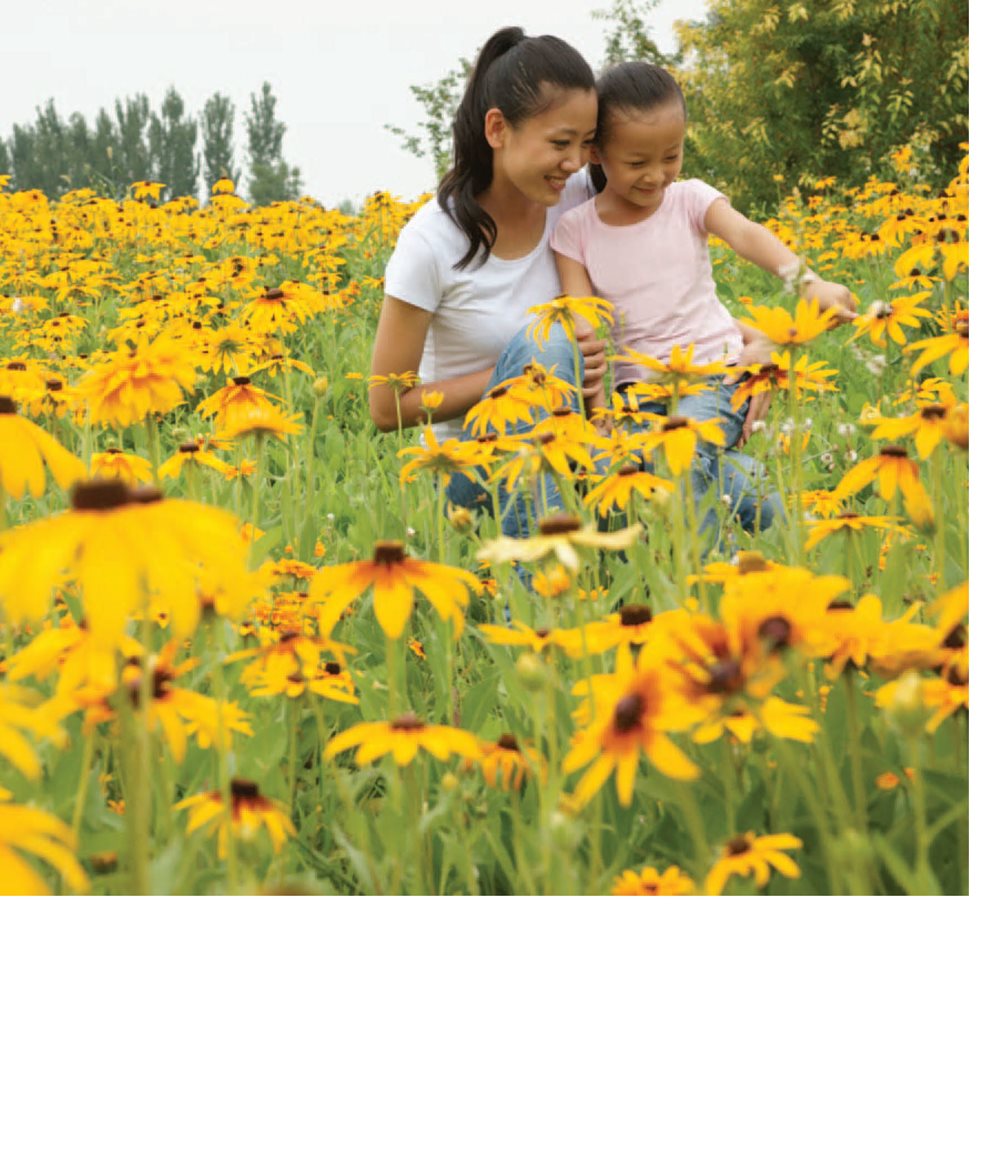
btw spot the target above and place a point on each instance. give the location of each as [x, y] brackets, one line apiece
[637, 165]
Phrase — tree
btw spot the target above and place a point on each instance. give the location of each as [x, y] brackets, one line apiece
[218, 149]
[805, 91]
[271, 179]
[439, 102]
[5, 163]
[171, 144]
[132, 161]
[105, 154]
[78, 160]
[628, 37]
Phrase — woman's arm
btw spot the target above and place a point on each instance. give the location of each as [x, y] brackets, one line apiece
[399, 345]
[753, 242]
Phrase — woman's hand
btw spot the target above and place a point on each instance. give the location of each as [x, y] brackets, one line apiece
[595, 363]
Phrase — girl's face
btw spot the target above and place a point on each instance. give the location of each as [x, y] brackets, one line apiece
[539, 155]
[643, 153]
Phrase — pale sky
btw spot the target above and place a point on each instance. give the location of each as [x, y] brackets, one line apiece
[339, 71]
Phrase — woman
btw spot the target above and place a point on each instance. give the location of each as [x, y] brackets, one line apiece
[468, 266]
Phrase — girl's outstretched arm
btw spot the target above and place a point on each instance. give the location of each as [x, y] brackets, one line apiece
[753, 242]
[399, 345]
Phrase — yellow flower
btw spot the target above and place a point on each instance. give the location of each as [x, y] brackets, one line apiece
[679, 374]
[504, 405]
[678, 437]
[747, 854]
[673, 882]
[402, 738]
[123, 548]
[884, 319]
[115, 463]
[810, 377]
[251, 810]
[618, 488]
[192, 453]
[279, 309]
[42, 835]
[781, 328]
[26, 449]
[562, 309]
[953, 343]
[394, 577]
[441, 458]
[819, 529]
[151, 377]
[507, 763]
[894, 470]
[259, 420]
[931, 423]
[20, 711]
[558, 535]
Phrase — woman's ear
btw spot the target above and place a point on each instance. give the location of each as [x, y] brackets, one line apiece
[495, 127]
[595, 156]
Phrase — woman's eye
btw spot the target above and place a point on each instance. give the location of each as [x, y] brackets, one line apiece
[560, 145]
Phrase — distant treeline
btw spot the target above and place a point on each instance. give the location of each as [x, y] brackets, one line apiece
[139, 142]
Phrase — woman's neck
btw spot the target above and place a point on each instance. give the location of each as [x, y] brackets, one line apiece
[520, 221]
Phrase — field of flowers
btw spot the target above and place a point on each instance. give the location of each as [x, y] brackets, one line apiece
[248, 647]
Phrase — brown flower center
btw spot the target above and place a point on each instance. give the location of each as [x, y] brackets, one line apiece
[840, 606]
[777, 630]
[563, 411]
[8, 405]
[242, 789]
[101, 494]
[933, 412]
[53, 385]
[507, 741]
[674, 423]
[724, 677]
[893, 451]
[559, 525]
[389, 551]
[189, 447]
[273, 294]
[17, 367]
[409, 722]
[628, 712]
[626, 471]
[737, 846]
[956, 638]
[961, 328]
[632, 615]
[749, 561]
[143, 495]
[331, 668]
[241, 380]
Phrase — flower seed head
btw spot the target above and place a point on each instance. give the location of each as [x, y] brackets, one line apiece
[389, 551]
[560, 524]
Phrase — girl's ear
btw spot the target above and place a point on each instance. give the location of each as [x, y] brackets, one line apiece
[494, 127]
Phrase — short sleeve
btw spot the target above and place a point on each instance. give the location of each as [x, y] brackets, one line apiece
[412, 274]
[567, 238]
[699, 196]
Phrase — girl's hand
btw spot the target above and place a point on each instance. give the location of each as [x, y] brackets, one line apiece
[595, 363]
[831, 295]
[756, 351]
[756, 411]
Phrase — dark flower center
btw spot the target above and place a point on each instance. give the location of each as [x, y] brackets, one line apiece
[956, 638]
[777, 630]
[559, 525]
[241, 380]
[737, 846]
[242, 789]
[331, 668]
[498, 392]
[961, 328]
[102, 494]
[408, 722]
[840, 606]
[627, 470]
[674, 423]
[848, 515]
[631, 615]
[894, 451]
[724, 677]
[507, 741]
[8, 405]
[189, 447]
[933, 412]
[748, 561]
[389, 551]
[563, 411]
[143, 495]
[628, 712]
[53, 385]
[883, 312]
[17, 367]
[273, 294]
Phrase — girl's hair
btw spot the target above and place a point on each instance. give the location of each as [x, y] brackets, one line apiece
[631, 87]
[510, 74]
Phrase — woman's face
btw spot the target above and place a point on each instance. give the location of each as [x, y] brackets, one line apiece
[539, 155]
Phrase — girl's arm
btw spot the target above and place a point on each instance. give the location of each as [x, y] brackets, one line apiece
[399, 345]
[753, 242]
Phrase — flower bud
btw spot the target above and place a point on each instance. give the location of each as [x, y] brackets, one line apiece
[449, 782]
[531, 671]
[906, 708]
[320, 386]
[461, 518]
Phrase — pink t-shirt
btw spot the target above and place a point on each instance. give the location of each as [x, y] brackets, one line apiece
[658, 275]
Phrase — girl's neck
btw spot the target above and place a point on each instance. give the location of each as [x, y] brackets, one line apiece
[615, 211]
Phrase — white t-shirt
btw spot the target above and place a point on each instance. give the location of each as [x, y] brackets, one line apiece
[478, 310]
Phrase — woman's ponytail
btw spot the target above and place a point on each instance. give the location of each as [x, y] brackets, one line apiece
[509, 75]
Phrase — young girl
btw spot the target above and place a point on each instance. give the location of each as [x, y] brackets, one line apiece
[642, 243]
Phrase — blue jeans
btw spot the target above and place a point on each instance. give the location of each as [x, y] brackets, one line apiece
[463, 490]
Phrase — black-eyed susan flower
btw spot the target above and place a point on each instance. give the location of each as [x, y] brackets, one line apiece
[27, 450]
[650, 882]
[192, 453]
[278, 309]
[150, 377]
[894, 470]
[28, 831]
[820, 529]
[750, 854]
[251, 810]
[521, 635]
[235, 395]
[504, 405]
[776, 377]
[507, 763]
[931, 424]
[259, 420]
[591, 309]
[114, 462]
[615, 490]
[558, 535]
[394, 577]
[953, 343]
[788, 331]
[22, 713]
[887, 318]
[443, 459]
[123, 548]
[678, 437]
[402, 738]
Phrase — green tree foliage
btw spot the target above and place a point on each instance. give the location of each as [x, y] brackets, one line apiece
[131, 161]
[439, 102]
[218, 149]
[172, 138]
[805, 90]
[271, 178]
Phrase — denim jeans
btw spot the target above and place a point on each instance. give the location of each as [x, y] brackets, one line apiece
[467, 491]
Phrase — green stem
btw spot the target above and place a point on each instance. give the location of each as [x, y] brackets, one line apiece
[854, 746]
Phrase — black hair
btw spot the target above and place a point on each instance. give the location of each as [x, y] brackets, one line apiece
[631, 87]
[510, 74]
